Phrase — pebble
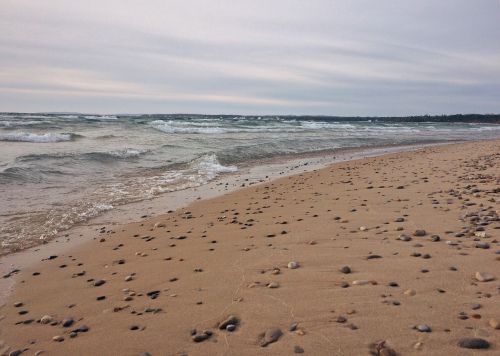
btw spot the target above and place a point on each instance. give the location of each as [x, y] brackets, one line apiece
[230, 320]
[293, 265]
[270, 336]
[66, 323]
[298, 350]
[99, 282]
[473, 343]
[15, 353]
[404, 237]
[360, 282]
[423, 328]
[435, 238]
[273, 285]
[420, 233]
[494, 323]
[484, 277]
[483, 245]
[129, 278]
[346, 269]
[201, 337]
[46, 319]
[58, 338]
[231, 327]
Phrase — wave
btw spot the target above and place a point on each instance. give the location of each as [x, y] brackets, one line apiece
[117, 154]
[95, 156]
[24, 174]
[209, 167]
[100, 117]
[38, 138]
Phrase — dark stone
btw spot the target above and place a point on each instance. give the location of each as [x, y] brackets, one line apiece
[346, 270]
[298, 350]
[67, 323]
[99, 282]
[473, 343]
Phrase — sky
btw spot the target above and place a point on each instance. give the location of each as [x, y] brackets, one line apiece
[331, 57]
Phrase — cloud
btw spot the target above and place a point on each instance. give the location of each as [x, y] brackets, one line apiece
[278, 57]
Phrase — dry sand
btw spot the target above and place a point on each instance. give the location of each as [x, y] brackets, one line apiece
[174, 278]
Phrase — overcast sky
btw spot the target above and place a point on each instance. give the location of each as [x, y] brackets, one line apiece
[333, 57]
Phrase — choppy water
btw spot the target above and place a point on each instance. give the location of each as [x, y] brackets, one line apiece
[60, 170]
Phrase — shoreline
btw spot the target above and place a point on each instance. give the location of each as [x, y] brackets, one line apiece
[292, 246]
[250, 173]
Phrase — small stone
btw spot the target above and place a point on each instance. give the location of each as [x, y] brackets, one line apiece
[435, 238]
[58, 338]
[82, 329]
[293, 327]
[346, 269]
[298, 350]
[129, 278]
[99, 282]
[360, 282]
[66, 323]
[423, 328]
[15, 352]
[484, 277]
[46, 319]
[420, 233]
[293, 265]
[494, 323]
[473, 343]
[393, 284]
[231, 327]
[230, 320]
[273, 285]
[18, 304]
[404, 237]
[483, 245]
[271, 335]
[200, 337]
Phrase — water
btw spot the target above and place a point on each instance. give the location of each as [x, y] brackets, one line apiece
[57, 171]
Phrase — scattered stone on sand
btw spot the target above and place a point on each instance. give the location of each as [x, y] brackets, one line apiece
[58, 338]
[99, 282]
[293, 265]
[410, 292]
[404, 237]
[46, 319]
[473, 343]
[205, 335]
[298, 350]
[483, 245]
[494, 323]
[269, 336]
[66, 323]
[423, 328]
[273, 285]
[230, 320]
[360, 282]
[435, 238]
[484, 277]
[346, 270]
[420, 233]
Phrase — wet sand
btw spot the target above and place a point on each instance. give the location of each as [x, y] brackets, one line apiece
[373, 256]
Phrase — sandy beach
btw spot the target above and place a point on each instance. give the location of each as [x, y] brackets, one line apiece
[390, 255]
